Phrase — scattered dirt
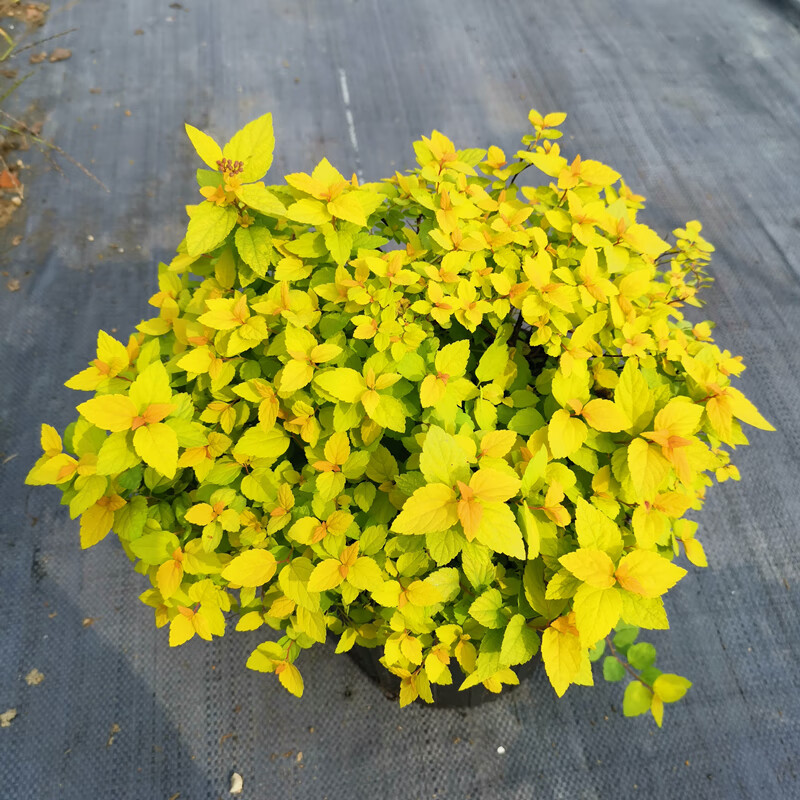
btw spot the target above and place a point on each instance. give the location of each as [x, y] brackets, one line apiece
[34, 677]
[115, 729]
[60, 54]
[33, 14]
[7, 717]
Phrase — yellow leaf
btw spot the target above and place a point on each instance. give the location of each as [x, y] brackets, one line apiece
[290, 678]
[494, 486]
[670, 688]
[561, 653]
[169, 577]
[343, 383]
[681, 417]
[196, 361]
[596, 531]
[348, 208]
[205, 146]
[295, 375]
[326, 575]
[497, 444]
[695, 552]
[590, 566]
[180, 630]
[597, 174]
[431, 391]
[157, 446]
[499, 531]
[657, 709]
[605, 415]
[151, 387]
[51, 441]
[200, 514]
[452, 359]
[648, 467]
[111, 412]
[96, 522]
[421, 593]
[252, 145]
[337, 448]
[744, 410]
[596, 612]
[565, 434]
[365, 574]
[647, 574]
[430, 509]
[251, 568]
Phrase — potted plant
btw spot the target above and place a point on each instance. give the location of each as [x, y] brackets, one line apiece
[441, 415]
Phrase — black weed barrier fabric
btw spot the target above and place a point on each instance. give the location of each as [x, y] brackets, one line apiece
[696, 104]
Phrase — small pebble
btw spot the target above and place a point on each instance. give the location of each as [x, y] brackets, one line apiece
[501, 750]
[90, 238]
[237, 784]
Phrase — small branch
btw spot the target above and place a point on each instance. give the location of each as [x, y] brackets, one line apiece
[23, 130]
[42, 41]
[627, 666]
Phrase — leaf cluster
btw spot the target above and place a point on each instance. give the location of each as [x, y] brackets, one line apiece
[440, 414]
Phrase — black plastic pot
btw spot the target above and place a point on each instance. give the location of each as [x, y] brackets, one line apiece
[443, 696]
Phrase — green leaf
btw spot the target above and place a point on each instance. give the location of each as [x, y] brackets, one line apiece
[613, 670]
[209, 226]
[625, 637]
[641, 655]
[254, 244]
[636, 700]
[520, 643]
[526, 421]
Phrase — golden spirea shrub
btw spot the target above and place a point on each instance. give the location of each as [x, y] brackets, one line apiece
[441, 414]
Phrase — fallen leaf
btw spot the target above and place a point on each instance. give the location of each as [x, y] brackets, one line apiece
[95, 90]
[8, 180]
[88, 621]
[138, 32]
[60, 54]
[13, 285]
[37, 58]
[34, 677]
[6, 717]
[17, 240]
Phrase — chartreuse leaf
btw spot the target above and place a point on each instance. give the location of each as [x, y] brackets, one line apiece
[209, 226]
[520, 643]
[205, 146]
[636, 700]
